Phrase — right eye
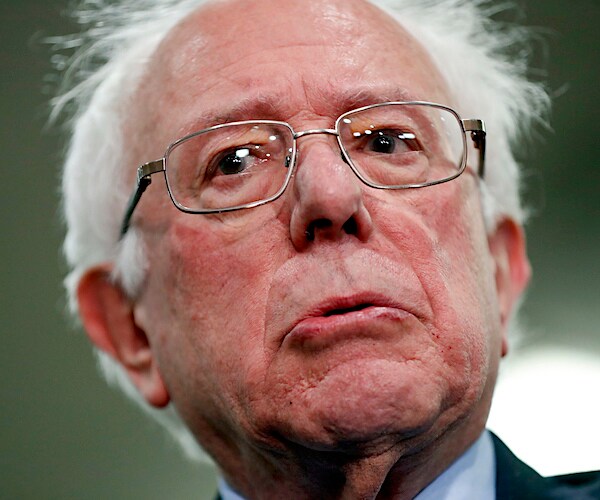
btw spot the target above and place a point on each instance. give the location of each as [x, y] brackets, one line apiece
[235, 162]
[383, 144]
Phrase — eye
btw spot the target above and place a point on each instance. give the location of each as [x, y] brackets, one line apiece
[389, 141]
[383, 144]
[235, 162]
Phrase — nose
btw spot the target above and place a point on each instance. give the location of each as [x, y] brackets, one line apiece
[328, 197]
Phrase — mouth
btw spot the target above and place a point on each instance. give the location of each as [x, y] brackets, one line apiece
[340, 305]
[346, 310]
[343, 319]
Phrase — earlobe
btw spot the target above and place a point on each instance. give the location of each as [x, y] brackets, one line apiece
[107, 315]
[512, 269]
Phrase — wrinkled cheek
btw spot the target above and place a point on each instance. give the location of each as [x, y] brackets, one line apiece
[215, 282]
[218, 274]
[461, 329]
[465, 349]
[467, 365]
[453, 212]
[462, 251]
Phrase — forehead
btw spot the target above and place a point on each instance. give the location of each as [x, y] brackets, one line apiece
[235, 59]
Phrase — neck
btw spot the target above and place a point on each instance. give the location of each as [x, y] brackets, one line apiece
[396, 472]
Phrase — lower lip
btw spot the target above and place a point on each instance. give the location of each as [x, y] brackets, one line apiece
[322, 331]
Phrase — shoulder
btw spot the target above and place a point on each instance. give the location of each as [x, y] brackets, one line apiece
[515, 480]
[583, 485]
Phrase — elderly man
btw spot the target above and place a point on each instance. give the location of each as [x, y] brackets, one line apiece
[321, 290]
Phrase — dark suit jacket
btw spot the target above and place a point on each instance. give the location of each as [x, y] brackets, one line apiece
[517, 481]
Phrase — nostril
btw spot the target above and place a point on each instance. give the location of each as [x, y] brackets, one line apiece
[316, 224]
[350, 226]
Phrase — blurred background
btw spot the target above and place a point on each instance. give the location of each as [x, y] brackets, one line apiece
[65, 434]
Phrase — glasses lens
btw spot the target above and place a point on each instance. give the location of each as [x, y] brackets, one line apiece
[229, 166]
[395, 145]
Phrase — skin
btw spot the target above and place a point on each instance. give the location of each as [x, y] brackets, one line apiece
[230, 325]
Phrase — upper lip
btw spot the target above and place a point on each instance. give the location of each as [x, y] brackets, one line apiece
[317, 287]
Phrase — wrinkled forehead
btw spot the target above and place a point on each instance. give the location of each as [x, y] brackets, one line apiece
[261, 25]
[228, 49]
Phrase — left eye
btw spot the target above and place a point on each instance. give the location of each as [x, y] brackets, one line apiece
[387, 142]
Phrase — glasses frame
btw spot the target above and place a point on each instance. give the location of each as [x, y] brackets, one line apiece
[476, 128]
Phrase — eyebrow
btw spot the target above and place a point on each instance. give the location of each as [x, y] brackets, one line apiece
[262, 105]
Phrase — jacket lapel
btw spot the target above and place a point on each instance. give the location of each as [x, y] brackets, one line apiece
[514, 479]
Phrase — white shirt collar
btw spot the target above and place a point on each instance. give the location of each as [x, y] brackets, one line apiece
[472, 475]
[226, 492]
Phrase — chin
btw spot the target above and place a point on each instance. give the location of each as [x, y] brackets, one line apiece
[363, 404]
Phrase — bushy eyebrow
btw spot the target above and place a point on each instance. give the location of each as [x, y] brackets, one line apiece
[274, 106]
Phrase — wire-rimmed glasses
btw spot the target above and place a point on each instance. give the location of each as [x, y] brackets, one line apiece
[241, 165]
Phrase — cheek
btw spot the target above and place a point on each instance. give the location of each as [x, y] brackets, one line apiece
[467, 272]
[442, 232]
[206, 302]
[455, 229]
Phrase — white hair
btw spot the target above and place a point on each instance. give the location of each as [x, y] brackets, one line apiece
[483, 62]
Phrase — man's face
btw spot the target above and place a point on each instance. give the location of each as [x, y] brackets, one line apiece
[382, 327]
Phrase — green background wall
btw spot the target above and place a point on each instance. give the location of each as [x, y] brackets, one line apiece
[65, 434]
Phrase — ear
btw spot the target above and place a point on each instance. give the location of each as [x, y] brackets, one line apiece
[108, 318]
[512, 269]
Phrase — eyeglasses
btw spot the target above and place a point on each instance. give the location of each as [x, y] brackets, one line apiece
[241, 165]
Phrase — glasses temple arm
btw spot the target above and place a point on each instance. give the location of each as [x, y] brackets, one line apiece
[143, 181]
[477, 129]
